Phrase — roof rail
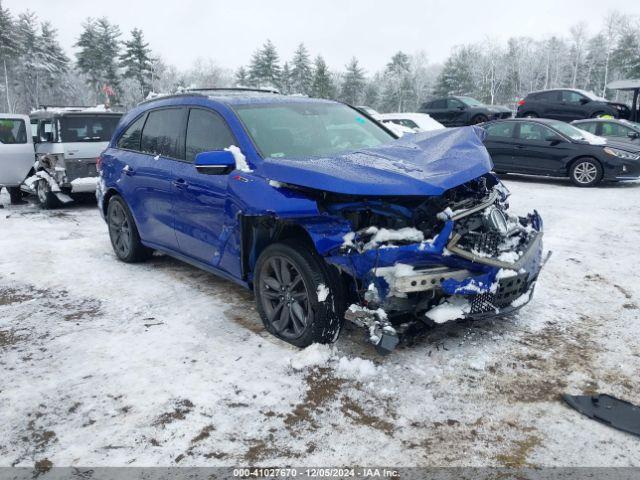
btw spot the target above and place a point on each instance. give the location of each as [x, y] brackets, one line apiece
[44, 107]
[232, 89]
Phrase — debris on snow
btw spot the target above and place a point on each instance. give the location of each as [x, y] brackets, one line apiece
[452, 308]
[241, 160]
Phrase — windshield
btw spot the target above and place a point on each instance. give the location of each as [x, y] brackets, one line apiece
[309, 129]
[471, 102]
[87, 128]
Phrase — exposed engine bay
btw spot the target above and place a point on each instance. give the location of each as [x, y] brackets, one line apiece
[435, 259]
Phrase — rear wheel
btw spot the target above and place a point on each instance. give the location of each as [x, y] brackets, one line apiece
[299, 297]
[46, 197]
[123, 233]
[585, 172]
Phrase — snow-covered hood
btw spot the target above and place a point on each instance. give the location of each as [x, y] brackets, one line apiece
[426, 163]
[498, 108]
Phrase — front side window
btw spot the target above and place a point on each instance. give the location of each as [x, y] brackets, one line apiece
[547, 96]
[501, 130]
[12, 131]
[536, 132]
[309, 129]
[438, 104]
[614, 130]
[570, 96]
[206, 132]
[454, 103]
[590, 127]
[162, 133]
[130, 139]
[87, 128]
[46, 131]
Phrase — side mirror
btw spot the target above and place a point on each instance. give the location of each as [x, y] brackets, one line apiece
[47, 137]
[462, 107]
[584, 101]
[633, 135]
[218, 162]
[553, 140]
[35, 139]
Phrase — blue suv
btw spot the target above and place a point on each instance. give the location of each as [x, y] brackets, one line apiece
[320, 210]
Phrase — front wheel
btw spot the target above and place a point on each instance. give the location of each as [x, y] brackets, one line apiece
[478, 119]
[123, 233]
[299, 297]
[586, 172]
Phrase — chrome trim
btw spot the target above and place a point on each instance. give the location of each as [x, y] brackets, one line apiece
[453, 248]
[481, 206]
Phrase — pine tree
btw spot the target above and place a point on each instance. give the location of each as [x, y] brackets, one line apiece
[322, 85]
[28, 67]
[8, 50]
[626, 56]
[99, 47]
[285, 80]
[137, 61]
[241, 78]
[264, 70]
[456, 77]
[398, 91]
[353, 83]
[301, 75]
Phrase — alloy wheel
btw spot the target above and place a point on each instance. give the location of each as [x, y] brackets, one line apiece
[285, 297]
[120, 230]
[585, 173]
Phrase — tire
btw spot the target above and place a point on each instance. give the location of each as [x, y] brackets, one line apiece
[585, 172]
[46, 198]
[286, 282]
[123, 233]
[478, 119]
[530, 115]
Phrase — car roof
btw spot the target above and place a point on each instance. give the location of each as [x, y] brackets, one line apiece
[400, 116]
[242, 98]
[13, 116]
[544, 121]
[54, 111]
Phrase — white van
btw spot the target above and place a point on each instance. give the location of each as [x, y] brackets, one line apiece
[68, 141]
[16, 153]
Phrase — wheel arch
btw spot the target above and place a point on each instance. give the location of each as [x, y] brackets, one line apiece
[574, 160]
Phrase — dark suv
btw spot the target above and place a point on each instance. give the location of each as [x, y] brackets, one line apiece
[460, 111]
[569, 104]
[320, 210]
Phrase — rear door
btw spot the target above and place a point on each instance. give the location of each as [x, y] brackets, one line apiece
[501, 144]
[151, 147]
[548, 104]
[200, 198]
[539, 150]
[16, 150]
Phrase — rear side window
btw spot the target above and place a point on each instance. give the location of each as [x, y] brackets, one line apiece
[162, 133]
[588, 127]
[12, 131]
[130, 139]
[547, 96]
[501, 130]
[454, 103]
[438, 104]
[206, 131]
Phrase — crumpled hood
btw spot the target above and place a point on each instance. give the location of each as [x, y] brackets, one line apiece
[426, 163]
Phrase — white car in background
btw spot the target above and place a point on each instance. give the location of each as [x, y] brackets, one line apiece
[68, 141]
[16, 153]
[410, 122]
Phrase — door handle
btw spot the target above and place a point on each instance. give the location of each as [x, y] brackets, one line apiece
[519, 146]
[128, 170]
[180, 183]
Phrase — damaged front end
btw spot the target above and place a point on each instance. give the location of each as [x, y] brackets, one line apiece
[435, 259]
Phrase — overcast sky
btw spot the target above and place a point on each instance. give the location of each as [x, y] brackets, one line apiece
[229, 31]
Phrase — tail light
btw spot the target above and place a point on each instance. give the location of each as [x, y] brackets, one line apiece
[521, 102]
[99, 163]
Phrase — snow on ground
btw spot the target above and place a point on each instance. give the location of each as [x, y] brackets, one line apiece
[105, 363]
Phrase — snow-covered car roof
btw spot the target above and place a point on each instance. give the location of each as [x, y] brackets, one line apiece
[424, 121]
[15, 116]
[48, 112]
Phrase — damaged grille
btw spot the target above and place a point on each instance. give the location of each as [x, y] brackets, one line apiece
[509, 289]
[80, 168]
[483, 242]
